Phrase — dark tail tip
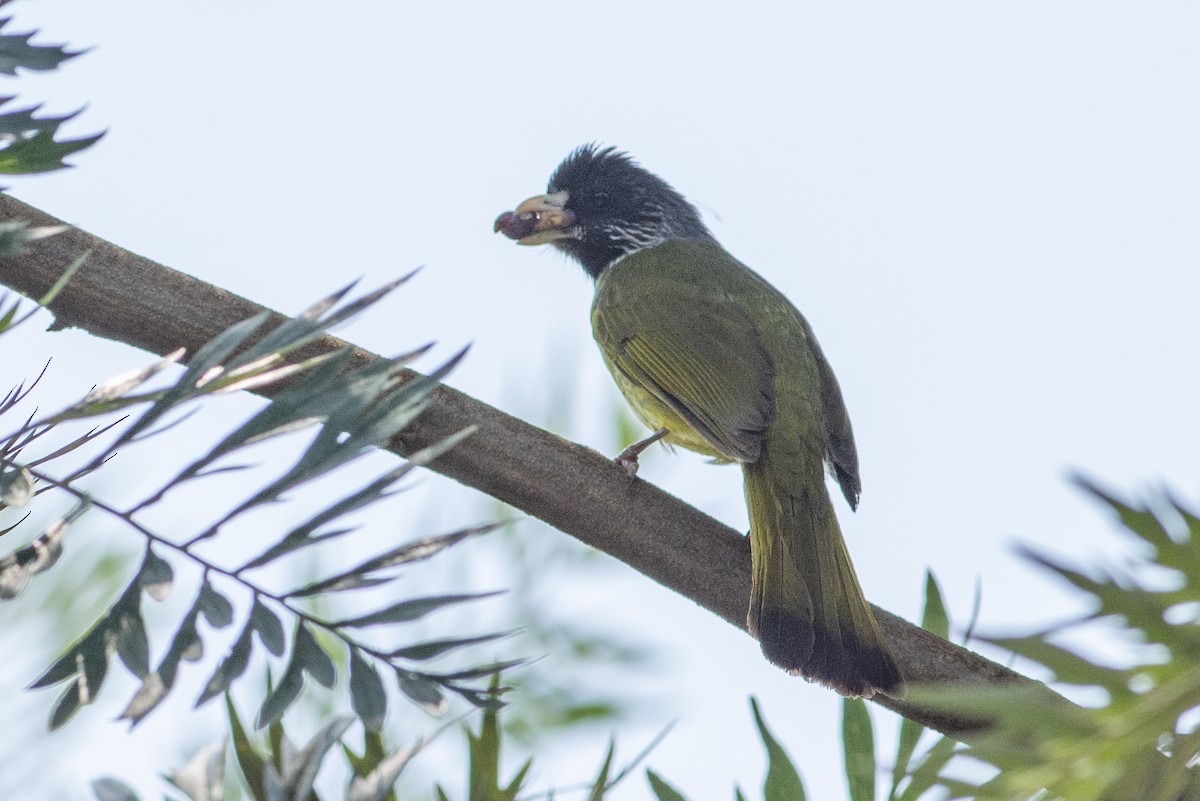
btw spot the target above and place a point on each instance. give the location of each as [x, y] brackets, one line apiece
[853, 667]
[840, 662]
[786, 639]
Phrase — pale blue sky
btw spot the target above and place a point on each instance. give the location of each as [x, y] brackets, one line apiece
[988, 212]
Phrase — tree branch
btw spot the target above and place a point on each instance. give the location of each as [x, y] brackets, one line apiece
[121, 296]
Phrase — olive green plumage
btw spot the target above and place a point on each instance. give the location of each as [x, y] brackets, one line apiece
[702, 346]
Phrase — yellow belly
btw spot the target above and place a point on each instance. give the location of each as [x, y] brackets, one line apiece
[656, 414]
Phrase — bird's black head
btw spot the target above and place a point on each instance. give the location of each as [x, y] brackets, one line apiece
[599, 206]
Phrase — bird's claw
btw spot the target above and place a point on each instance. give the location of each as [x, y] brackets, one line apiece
[628, 458]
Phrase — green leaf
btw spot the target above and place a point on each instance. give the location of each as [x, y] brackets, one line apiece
[357, 306]
[185, 646]
[270, 630]
[357, 576]
[373, 408]
[87, 661]
[16, 52]
[215, 607]
[109, 789]
[210, 356]
[1067, 666]
[437, 449]
[304, 535]
[120, 385]
[351, 407]
[254, 768]
[68, 704]
[426, 547]
[423, 692]
[479, 671]
[367, 696]
[12, 241]
[302, 772]
[435, 648]
[1131, 746]
[637, 760]
[156, 576]
[484, 699]
[78, 442]
[910, 735]
[221, 347]
[65, 278]
[373, 753]
[414, 609]
[132, 644]
[308, 325]
[316, 662]
[783, 781]
[858, 739]
[15, 235]
[307, 657]
[601, 783]
[935, 618]
[71, 662]
[363, 409]
[295, 406]
[280, 698]
[41, 152]
[484, 761]
[976, 607]
[1140, 521]
[377, 784]
[277, 741]
[517, 784]
[95, 669]
[928, 771]
[296, 539]
[386, 420]
[293, 332]
[231, 667]
[662, 790]
[341, 583]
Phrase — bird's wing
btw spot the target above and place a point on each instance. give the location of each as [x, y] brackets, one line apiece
[703, 359]
[839, 436]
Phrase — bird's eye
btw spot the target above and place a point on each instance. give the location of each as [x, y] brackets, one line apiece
[601, 200]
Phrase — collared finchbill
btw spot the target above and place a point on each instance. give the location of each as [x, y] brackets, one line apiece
[705, 350]
[538, 221]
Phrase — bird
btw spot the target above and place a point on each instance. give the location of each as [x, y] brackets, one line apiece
[714, 359]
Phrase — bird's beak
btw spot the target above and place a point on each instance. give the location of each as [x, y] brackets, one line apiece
[539, 220]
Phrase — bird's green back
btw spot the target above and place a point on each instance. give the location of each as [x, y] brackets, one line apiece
[693, 335]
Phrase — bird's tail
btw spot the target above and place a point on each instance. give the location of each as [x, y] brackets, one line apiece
[806, 607]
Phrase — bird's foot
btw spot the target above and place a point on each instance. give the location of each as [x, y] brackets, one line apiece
[628, 458]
